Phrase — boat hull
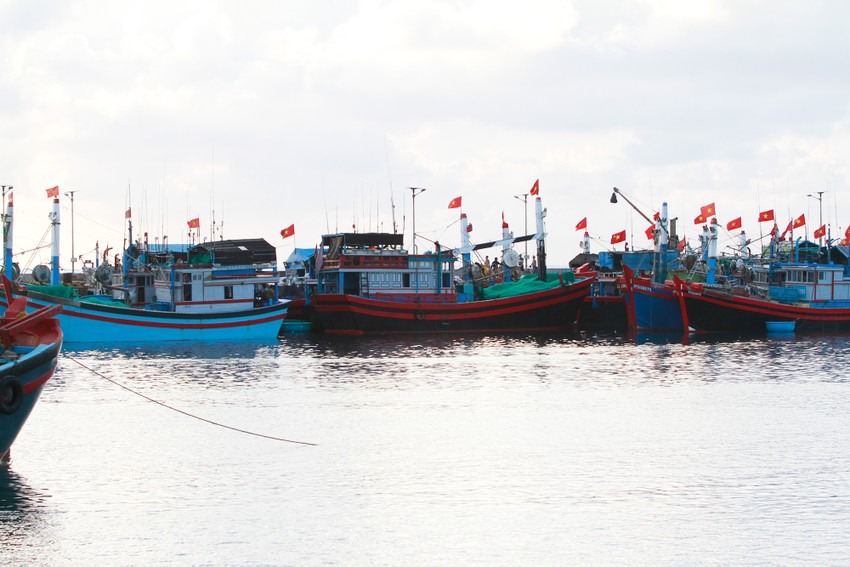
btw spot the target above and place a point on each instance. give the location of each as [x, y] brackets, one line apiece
[603, 313]
[651, 306]
[25, 375]
[553, 309]
[90, 322]
[724, 312]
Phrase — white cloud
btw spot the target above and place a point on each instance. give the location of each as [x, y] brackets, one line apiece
[281, 112]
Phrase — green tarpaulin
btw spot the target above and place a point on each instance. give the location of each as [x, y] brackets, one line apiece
[63, 291]
[529, 283]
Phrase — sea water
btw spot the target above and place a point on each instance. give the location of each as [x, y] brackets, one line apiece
[459, 450]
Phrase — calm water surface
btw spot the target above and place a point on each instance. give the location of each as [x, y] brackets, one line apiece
[438, 451]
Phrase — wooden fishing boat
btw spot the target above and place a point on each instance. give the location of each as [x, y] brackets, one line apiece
[31, 343]
[368, 283]
[223, 290]
[218, 290]
[814, 297]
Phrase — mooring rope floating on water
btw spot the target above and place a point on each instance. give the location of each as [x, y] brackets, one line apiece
[186, 413]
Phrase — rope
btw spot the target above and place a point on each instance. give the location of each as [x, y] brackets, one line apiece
[211, 422]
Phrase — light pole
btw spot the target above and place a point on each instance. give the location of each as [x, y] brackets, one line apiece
[524, 198]
[70, 195]
[414, 191]
[820, 211]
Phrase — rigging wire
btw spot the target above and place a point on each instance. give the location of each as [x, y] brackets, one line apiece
[172, 408]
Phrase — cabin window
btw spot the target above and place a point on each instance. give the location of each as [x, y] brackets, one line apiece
[447, 280]
[405, 280]
[228, 292]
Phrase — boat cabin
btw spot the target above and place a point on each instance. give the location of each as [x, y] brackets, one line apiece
[219, 276]
[376, 265]
[804, 282]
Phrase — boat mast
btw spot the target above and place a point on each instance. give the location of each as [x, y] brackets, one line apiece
[659, 274]
[54, 253]
[540, 236]
[712, 251]
[7, 235]
[465, 254]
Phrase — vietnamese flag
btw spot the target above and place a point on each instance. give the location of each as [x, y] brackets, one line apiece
[733, 224]
[504, 224]
[455, 203]
[821, 232]
[800, 221]
[700, 219]
[194, 223]
[650, 232]
[847, 233]
[583, 224]
[288, 231]
[682, 244]
[535, 189]
[787, 230]
[53, 191]
[618, 237]
[765, 216]
[708, 210]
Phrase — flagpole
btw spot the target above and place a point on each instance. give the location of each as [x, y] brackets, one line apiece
[414, 191]
[524, 198]
[70, 195]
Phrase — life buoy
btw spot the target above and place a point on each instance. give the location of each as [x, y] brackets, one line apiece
[11, 395]
[420, 316]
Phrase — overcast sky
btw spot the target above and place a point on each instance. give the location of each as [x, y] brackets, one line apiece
[321, 114]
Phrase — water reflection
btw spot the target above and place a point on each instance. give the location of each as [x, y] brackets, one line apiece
[23, 518]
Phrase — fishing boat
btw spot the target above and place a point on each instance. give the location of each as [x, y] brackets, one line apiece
[650, 301]
[368, 283]
[217, 290]
[31, 344]
[788, 296]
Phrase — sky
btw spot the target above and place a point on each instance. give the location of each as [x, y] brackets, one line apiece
[254, 116]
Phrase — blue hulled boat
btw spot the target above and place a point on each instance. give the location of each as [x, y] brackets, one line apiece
[217, 290]
[30, 348]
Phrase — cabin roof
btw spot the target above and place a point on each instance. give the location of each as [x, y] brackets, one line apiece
[365, 239]
[241, 251]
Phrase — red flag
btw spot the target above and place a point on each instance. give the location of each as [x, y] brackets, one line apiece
[766, 216]
[535, 189]
[733, 224]
[787, 230]
[288, 231]
[128, 213]
[194, 223]
[847, 233]
[707, 210]
[469, 227]
[618, 237]
[682, 244]
[656, 216]
[454, 203]
[699, 220]
[800, 221]
[821, 232]
[583, 224]
[775, 230]
[504, 224]
[53, 191]
[650, 232]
